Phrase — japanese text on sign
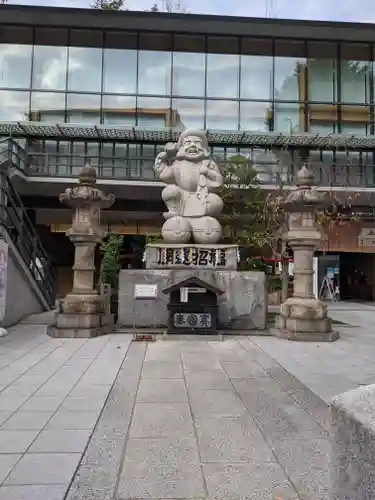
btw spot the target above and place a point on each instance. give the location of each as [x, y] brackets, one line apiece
[192, 256]
[192, 320]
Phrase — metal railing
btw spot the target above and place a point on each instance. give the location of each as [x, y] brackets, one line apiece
[141, 168]
[14, 219]
[53, 164]
[14, 154]
[108, 167]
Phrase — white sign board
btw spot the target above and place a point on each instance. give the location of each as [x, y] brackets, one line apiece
[196, 290]
[145, 291]
[184, 294]
[315, 277]
[3, 277]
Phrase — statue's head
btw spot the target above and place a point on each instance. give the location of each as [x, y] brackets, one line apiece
[192, 145]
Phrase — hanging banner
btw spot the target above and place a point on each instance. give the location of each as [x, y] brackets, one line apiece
[3, 277]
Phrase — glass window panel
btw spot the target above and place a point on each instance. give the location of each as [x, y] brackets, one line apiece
[147, 162]
[256, 77]
[154, 72]
[47, 107]
[120, 71]
[355, 73]
[107, 159]
[63, 159]
[49, 68]
[322, 128]
[324, 117]
[133, 162]
[187, 113]
[355, 120]
[355, 128]
[255, 116]
[83, 108]
[93, 153]
[85, 69]
[188, 74]
[153, 112]
[78, 159]
[119, 110]
[322, 72]
[15, 65]
[289, 117]
[14, 105]
[120, 160]
[222, 115]
[290, 71]
[222, 75]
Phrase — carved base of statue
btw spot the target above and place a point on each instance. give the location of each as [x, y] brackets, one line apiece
[305, 320]
[186, 229]
[81, 316]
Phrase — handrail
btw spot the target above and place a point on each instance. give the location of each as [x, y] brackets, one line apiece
[14, 218]
[141, 168]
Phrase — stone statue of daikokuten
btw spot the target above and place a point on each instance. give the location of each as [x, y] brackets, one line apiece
[192, 177]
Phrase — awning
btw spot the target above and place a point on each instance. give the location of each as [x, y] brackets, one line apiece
[44, 130]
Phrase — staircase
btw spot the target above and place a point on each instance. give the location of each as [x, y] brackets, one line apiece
[15, 225]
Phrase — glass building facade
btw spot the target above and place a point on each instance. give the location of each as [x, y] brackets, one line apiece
[176, 80]
[156, 80]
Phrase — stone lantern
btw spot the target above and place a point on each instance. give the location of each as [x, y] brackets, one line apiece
[302, 316]
[82, 312]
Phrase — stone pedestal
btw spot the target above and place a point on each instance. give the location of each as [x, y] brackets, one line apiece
[352, 461]
[83, 311]
[302, 316]
[242, 307]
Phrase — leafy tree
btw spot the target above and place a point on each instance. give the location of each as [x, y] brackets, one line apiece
[110, 264]
[251, 218]
[108, 4]
[3, 1]
[256, 221]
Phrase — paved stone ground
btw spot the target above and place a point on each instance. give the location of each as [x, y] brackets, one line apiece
[97, 419]
[329, 369]
[206, 420]
[51, 395]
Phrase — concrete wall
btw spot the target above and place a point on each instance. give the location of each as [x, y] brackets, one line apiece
[352, 464]
[22, 295]
[242, 307]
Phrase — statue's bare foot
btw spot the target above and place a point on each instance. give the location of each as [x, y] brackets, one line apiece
[206, 230]
[176, 230]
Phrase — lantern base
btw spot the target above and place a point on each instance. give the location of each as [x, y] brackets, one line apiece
[305, 319]
[82, 316]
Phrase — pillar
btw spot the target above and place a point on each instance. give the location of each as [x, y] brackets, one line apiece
[302, 316]
[82, 312]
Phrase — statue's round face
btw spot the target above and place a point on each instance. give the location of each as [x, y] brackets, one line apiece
[193, 147]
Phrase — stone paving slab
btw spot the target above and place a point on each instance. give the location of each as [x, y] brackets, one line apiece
[214, 436]
[51, 397]
[327, 369]
[243, 418]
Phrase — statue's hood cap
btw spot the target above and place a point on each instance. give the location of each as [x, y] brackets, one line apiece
[192, 133]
